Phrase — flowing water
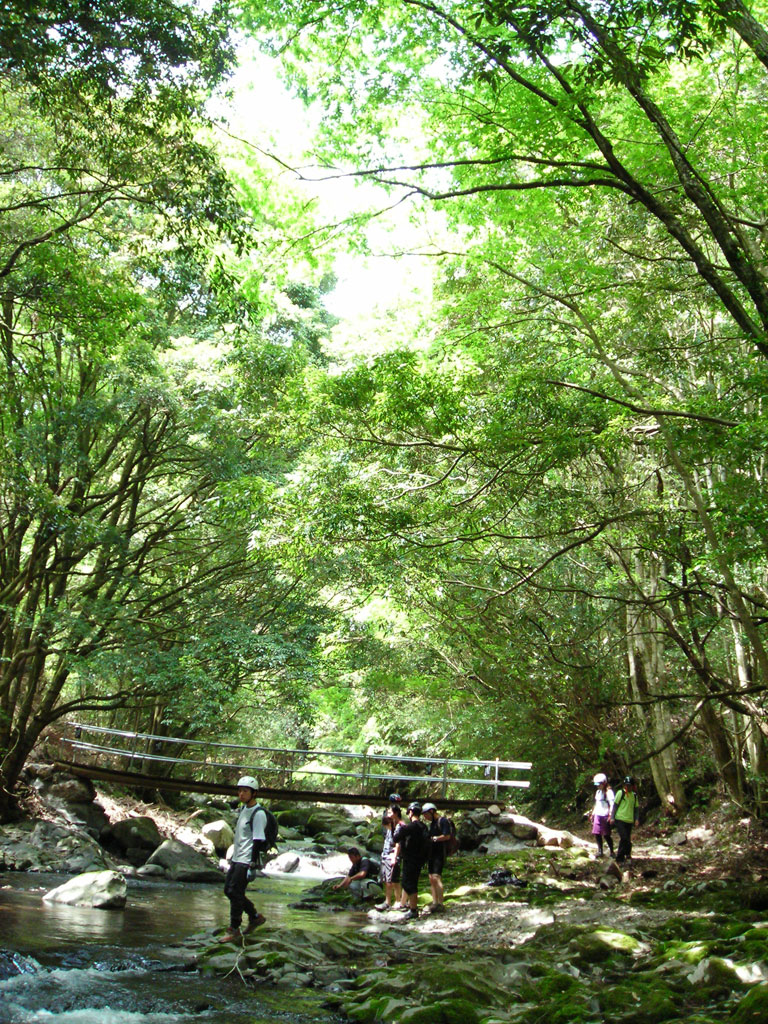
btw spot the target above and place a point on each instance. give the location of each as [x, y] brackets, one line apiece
[132, 966]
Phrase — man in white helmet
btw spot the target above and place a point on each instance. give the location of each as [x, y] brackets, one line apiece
[439, 835]
[249, 842]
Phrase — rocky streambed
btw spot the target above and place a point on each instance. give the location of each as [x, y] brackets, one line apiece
[535, 930]
[558, 949]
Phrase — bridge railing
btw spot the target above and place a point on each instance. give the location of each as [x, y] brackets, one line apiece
[286, 768]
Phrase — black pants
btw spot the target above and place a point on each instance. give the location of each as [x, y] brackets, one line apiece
[410, 876]
[234, 890]
[624, 828]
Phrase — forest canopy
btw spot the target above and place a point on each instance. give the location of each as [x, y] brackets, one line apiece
[534, 530]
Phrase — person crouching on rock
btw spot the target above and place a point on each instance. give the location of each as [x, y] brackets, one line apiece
[601, 813]
[249, 842]
[411, 849]
[360, 869]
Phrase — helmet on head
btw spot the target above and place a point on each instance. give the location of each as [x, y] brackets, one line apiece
[599, 779]
[428, 807]
[415, 808]
[629, 780]
[248, 781]
[395, 798]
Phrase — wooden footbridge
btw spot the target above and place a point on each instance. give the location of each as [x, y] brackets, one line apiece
[322, 776]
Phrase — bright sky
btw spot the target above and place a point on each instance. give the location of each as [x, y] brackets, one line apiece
[268, 116]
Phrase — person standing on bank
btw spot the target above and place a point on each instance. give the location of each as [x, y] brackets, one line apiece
[601, 813]
[624, 815]
[439, 835]
[412, 845]
[249, 842]
[390, 870]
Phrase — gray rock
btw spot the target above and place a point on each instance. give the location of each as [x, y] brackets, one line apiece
[151, 871]
[101, 890]
[480, 818]
[285, 863]
[140, 833]
[183, 863]
[520, 828]
[328, 974]
[136, 856]
[209, 875]
[220, 834]
[612, 870]
[71, 790]
[678, 839]
[46, 846]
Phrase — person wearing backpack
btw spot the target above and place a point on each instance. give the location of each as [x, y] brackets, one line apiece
[412, 845]
[601, 813]
[248, 844]
[624, 815]
[440, 834]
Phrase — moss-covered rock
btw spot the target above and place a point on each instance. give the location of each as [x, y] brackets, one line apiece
[603, 944]
[753, 1008]
[439, 991]
[640, 1001]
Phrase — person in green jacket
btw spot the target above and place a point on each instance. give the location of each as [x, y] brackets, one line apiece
[624, 815]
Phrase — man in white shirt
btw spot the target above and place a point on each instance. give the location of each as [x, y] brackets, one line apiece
[249, 842]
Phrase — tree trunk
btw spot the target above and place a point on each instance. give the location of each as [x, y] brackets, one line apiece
[647, 680]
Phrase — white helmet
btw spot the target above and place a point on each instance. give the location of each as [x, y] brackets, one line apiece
[428, 807]
[249, 781]
[599, 779]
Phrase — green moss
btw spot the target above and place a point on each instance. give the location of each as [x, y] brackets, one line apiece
[603, 944]
[458, 1011]
[640, 1001]
[571, 1007]
[753, 1008]
[687, 952]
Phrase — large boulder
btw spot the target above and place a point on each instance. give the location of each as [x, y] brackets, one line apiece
[220, 834]
[139, 832]
[46, 846]
[182, 863]
[517, 826]
[101, 890]
[71, 796]
[295, 817]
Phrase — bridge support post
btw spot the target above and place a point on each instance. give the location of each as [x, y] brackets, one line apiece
[496, 780]
[444, 785]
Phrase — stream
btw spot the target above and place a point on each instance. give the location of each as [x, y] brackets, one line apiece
[132, 966]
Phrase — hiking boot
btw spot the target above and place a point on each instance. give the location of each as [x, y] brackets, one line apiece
[230, 935]
[412, 915]
[401, 909]
[437, 908]
[381, 907]
[254, 923]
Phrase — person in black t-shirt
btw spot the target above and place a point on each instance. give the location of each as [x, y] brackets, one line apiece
[439, 834]
[360, 868]
[411, 846]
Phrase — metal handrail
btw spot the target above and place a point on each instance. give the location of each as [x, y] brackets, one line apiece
[516, 765]
[365, 775]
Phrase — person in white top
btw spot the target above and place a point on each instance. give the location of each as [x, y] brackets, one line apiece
[601, 813]
[249, 841]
